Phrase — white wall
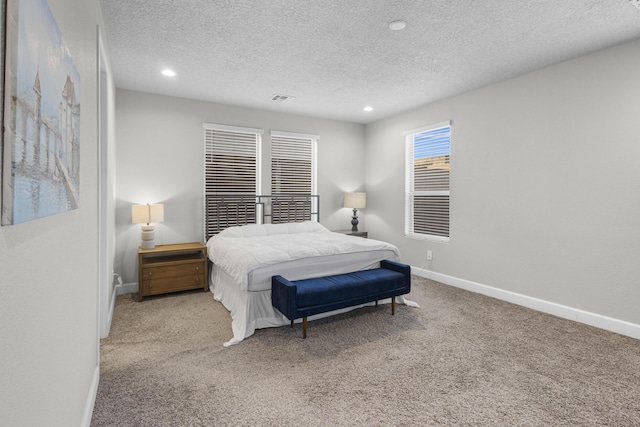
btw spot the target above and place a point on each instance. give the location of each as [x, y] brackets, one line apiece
[106, 189]
[160, 160]
[48, 281]
[545, 184]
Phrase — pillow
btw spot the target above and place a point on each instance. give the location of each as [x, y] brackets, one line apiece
[244, 231]
[306, 227]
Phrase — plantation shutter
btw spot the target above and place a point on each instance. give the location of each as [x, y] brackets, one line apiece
[428, 152]
[293, 171]
[232, 175]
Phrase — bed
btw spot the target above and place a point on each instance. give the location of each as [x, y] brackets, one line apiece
[244, 258]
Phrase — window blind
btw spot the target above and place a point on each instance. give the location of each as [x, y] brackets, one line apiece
[293, 163]
[232, 175]
[428, 153]
[293, 171]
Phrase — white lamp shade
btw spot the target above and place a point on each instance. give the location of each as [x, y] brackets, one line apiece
[156, 213]
[147, 213]
[355, 200]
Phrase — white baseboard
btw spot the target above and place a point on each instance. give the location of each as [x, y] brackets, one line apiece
[91, 398]
[127, 288]
[106, 328]
[592, 319]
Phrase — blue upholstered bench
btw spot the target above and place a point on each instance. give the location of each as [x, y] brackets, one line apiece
[302, 298]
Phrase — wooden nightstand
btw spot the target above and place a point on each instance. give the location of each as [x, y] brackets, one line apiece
[353, 233]
[172, 268]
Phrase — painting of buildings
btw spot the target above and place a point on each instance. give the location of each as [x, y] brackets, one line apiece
[41, 145]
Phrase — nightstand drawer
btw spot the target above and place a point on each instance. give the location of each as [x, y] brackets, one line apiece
[159, 272]
[172, 284]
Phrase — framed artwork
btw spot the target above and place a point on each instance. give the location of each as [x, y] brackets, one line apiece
[41, 138]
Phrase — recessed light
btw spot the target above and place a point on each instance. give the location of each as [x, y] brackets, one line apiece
[368, 108]
[397, 25]
[168, 73]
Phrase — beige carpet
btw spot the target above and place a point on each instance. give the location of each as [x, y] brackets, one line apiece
[460, 359]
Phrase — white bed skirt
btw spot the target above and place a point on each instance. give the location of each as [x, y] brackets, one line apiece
[253, 310]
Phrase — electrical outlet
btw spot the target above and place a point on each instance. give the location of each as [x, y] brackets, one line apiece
[117, 276]
[636, 3]
[429, 255]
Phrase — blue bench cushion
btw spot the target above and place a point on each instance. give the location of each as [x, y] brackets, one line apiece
[347, 287]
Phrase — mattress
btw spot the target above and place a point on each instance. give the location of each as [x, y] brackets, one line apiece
[306, 268]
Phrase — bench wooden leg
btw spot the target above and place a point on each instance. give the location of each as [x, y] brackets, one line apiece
[292, 323]
[304, 327]
[393, 306]
[376, 303]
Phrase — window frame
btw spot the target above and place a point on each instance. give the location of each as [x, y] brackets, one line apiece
[283, 152]
[410, 192]
[241, 130]
[301, 137]
[234, 138]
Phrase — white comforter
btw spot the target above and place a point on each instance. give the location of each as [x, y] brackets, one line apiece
[240, 250]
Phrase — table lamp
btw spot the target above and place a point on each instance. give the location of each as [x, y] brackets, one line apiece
[355, 201]
[141, 214]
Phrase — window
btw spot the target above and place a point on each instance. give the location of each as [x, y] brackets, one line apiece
[428, 152]
[293, 163]
[232, 175]
[293, 171]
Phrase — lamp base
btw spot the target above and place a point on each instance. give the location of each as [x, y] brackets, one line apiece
[354, 220]
[148, 235]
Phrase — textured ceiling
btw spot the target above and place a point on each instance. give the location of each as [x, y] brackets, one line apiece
[335, 57]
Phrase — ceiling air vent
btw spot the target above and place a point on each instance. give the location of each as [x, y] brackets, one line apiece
[636, 3]
[282, 98]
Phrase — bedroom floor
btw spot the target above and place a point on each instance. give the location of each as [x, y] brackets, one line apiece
[461, 358]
